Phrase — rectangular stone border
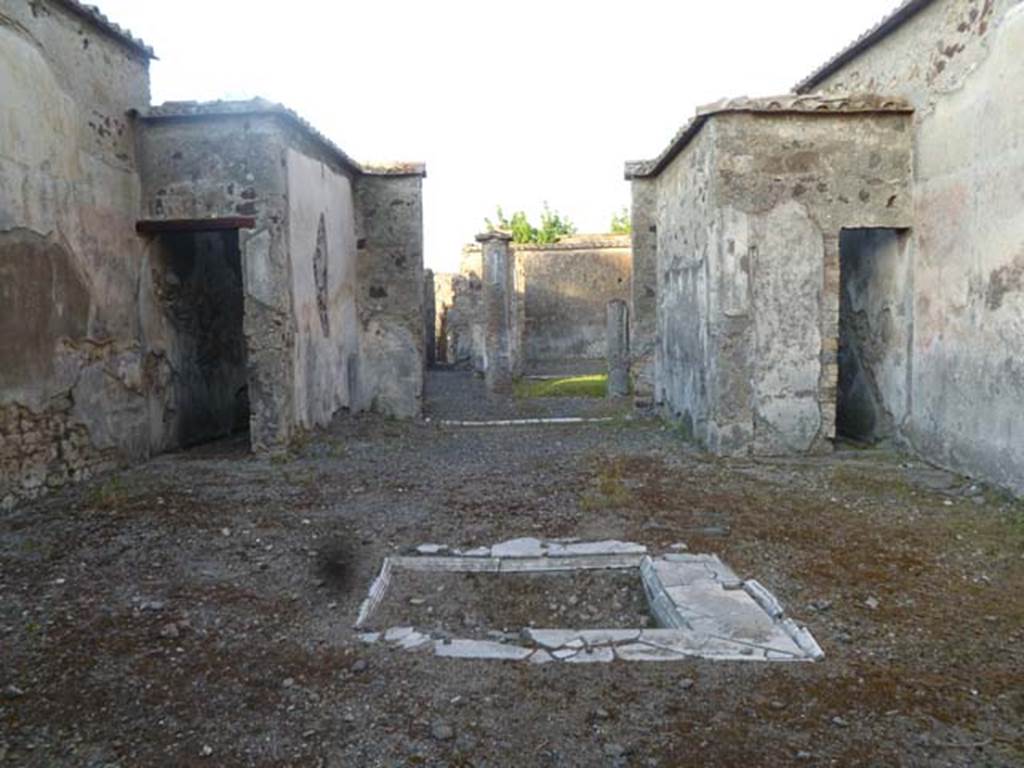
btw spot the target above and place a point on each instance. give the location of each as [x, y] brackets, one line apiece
[675, 641]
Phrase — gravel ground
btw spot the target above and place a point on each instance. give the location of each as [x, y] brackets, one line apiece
[197, 610]
[473, 605]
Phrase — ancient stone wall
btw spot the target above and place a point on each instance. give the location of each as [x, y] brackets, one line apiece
[444, 301]
[562, 292]
[333, 259]
[959, 63]
[75, 380]
[390, 292]
[430, 317]
[643, 287]
[212, 161]
[465, 318]
[566, 288]
[750, 210]
[169, 274]
[685, 365]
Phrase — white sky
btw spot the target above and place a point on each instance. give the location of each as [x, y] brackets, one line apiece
[510, 102]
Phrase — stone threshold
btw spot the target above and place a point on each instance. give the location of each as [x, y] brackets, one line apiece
[529, 422]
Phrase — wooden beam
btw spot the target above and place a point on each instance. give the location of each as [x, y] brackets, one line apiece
[160, 226]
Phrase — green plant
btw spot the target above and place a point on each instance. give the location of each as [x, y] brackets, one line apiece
[622, 222]
[108, 495]
[553, 226]
[609, 489]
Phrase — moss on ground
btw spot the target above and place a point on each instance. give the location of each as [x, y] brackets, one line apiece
[573, 386]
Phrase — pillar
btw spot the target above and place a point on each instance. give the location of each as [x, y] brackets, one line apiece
[499, 308]
[644, 286]
[618, 348]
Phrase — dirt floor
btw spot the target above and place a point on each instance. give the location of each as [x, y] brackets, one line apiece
[482, 605]
[197, 610]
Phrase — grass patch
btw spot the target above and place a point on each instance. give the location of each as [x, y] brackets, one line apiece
[575, 386]
[608, 490]
[109, 495]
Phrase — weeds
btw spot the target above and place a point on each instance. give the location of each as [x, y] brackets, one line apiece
[109, 494]
[610, 492]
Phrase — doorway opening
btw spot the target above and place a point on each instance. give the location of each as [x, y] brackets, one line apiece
[874, 333]
[202, 294]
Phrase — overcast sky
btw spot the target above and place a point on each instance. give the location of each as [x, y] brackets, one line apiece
[510, 102]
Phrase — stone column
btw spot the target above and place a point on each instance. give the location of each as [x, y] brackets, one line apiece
[499, 305]
[618, 348]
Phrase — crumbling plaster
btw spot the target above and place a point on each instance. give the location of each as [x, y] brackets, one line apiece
[322, 215]
[69, 190]
[249, 159]
[959, 63]
[221, 166]
[749, 212]
[99, 354]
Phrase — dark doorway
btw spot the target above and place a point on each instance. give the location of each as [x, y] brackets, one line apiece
[874, 287]
[202, 294]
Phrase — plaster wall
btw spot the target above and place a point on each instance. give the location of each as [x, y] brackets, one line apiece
[75, 380]
[333, 266]
[224, 166]
[322, 246]
[749, 216]
[959, 62]
[683, 218]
